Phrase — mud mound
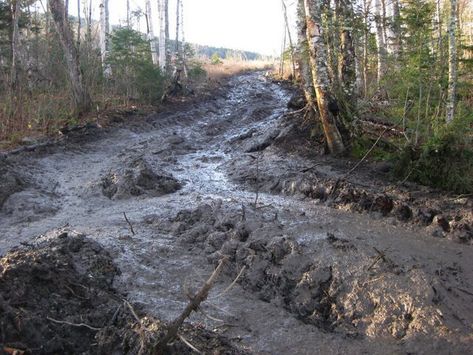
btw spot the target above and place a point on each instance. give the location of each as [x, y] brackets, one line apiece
[57, 298]
[340, 286]
[138, 178]
[10, 182]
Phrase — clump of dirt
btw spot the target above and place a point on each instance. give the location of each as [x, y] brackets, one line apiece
[10, 182]
[339, 286]
[138, 178]
[57, 297]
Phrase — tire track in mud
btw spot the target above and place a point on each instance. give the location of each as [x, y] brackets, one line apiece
[306, 287]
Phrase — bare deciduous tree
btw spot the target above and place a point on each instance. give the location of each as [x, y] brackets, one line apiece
[81, 97]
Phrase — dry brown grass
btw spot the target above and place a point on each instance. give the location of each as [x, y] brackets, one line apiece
[231, 67]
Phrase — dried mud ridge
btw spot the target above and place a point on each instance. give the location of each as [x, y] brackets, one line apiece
[369, 189]
[163, 198]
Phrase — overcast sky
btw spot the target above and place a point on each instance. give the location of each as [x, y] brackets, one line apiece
[255, 25]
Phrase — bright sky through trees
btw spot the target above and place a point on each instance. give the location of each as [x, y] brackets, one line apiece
[254, 25]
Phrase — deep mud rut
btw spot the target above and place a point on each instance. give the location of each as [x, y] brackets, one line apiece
[311, 279]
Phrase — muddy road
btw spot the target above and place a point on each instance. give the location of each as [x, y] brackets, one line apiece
[305, 278]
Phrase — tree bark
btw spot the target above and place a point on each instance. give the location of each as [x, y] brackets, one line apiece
[15, 56]
[347, 69]
[151, 37]
[380, 43]
[81, 97]
[291, 44]
[104, 35]
[452, 61]
[396, 29]
[166, 35]
[128, 14]
[303, 55]
[162, 36]
[318, 60]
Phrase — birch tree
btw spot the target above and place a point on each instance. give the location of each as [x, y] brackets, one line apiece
[289, 36]
[452, 61]
[380, 41]
[81, 97]
[303, 55]
[166, 36]
[151, 38]
[318, 61]
[162, 36]
[15, 55]
[104, 34]
[347, 70]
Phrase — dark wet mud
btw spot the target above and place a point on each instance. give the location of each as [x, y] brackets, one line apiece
[233, 175]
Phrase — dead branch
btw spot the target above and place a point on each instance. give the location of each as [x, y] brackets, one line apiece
[231, 285]
[73, 324]
[185, 341]
[129, 223]
[381, 256]
[194, 305]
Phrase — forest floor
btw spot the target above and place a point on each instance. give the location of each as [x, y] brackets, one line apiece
[316, 263]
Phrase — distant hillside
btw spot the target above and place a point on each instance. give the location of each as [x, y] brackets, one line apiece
[225, 53]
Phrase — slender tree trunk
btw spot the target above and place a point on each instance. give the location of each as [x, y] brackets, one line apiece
[380, 44]
[162, 36]
[128, 14]
[347, 69]
[396, 29]
[347, 66]
[318, 60]
[15, 56]
[79, 24]
[452, 61]
[166, 35]
[303, 55]
[291, 44]
[366, 32]
[104, 35]
[82, 101]
[178, 19]
[151, 37]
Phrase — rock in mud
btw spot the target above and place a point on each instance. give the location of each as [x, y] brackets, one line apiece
[138, 178]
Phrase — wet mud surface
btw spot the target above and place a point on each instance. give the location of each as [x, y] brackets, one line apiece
[305, 274]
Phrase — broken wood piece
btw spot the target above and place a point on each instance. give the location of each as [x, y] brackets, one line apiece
[129, 223]
[193, 305]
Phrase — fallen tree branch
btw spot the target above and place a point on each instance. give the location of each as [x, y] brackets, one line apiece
[193, 305]
[185, 341]
[129, 223]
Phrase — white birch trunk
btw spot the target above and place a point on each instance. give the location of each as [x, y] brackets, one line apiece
[162, 36]
[151, 37]
[82, 101]
[166, 36]
[320, 76]
[380, 43]
[452, 61]
[15, 57]
[304, 65]
[104, 35]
